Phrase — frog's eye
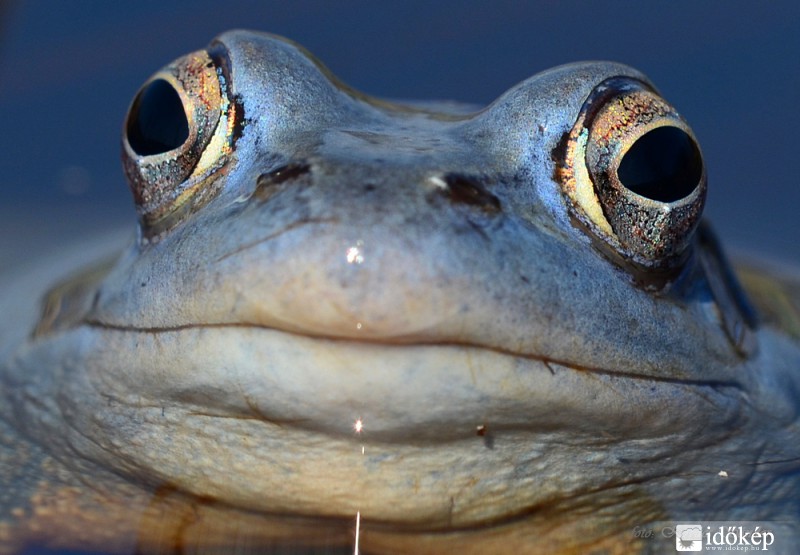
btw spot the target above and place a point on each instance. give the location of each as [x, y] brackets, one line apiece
[178, 135]
[633, 174]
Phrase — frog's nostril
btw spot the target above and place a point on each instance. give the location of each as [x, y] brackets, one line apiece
[663, 165]
[468, 190]
[268, 183]
[157, 122]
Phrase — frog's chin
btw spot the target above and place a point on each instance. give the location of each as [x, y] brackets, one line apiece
[280, 422]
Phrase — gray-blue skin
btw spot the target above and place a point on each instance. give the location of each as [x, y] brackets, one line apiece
[418, 269]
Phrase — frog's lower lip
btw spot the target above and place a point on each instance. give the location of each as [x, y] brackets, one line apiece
[399, 392]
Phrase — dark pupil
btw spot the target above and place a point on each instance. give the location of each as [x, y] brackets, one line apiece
[663, 165]
[157, 122]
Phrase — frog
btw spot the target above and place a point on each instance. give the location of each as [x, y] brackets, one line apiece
[490, 328]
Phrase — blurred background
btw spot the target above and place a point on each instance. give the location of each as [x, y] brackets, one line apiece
[69, 69]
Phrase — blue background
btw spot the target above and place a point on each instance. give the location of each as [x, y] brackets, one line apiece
[69, 69]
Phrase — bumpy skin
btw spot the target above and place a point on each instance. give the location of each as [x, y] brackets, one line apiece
[227, 362]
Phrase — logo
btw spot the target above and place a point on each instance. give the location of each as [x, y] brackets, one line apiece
[711, 536]
[689, 537]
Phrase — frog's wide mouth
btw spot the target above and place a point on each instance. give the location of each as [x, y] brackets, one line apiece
[399, 392]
